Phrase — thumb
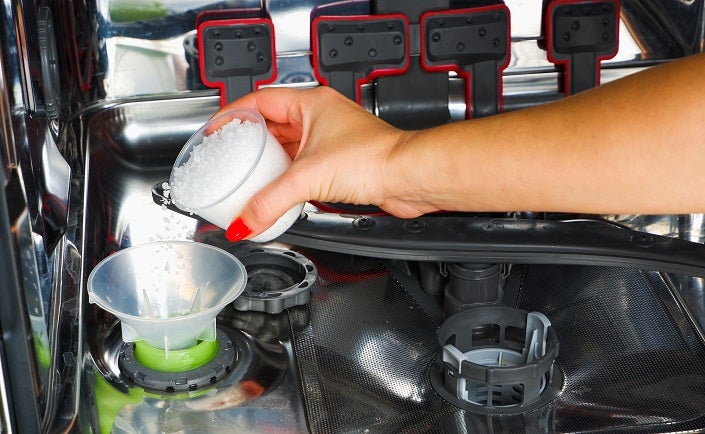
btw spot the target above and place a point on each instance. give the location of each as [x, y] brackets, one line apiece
[263, 209]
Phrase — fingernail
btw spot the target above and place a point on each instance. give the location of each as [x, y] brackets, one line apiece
[237, 230]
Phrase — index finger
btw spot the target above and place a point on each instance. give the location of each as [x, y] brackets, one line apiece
[280, 105]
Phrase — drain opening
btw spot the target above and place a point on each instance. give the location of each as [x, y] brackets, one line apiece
[276, 280]
[272, 278]
[497, 360]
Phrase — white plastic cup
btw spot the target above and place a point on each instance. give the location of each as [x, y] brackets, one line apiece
[265, 160]
[167, 293]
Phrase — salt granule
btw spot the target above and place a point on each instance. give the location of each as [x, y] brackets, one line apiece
[221, 162]
[216, 165]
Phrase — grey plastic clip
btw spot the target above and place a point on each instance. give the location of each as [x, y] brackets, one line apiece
[277, 279]
[487, 366]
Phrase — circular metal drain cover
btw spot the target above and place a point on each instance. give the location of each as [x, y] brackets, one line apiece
[277, 279]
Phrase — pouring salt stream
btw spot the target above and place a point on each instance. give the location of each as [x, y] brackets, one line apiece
[219, 168]
[167, 293]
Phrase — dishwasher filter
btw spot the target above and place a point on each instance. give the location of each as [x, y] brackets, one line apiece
[630, 359]
[497, 360]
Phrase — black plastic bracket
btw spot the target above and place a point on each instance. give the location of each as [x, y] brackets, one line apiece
[458, 238]
[475, 44]
[236, 55]
[470, 239]
[419, 98]
[579, 35]
[414, 93]
[349, 51]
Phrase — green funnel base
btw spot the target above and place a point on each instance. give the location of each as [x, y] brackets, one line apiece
[176, 360]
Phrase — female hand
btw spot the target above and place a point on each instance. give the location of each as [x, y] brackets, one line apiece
[341, 153]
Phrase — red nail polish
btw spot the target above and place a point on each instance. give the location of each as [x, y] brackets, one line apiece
[237, 230]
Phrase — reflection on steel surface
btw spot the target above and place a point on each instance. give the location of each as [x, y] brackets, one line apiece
[4, 401]
[369, 354]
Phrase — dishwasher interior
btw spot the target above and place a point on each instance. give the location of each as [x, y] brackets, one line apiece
[353, 320]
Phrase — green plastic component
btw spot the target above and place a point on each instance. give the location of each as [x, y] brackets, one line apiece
[177, 360]
[42, 351]
[136, 10]
[110, 401]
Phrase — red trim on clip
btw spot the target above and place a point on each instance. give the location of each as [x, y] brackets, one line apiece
[566, 62]
[456, 68]
[227, 14]
[376, 73]
[201, 59]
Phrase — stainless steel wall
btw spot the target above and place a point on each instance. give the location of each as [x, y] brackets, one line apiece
[39, 341]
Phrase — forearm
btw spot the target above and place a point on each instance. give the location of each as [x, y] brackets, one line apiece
[634, 145]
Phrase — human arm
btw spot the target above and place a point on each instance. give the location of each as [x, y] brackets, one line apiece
[636, 145]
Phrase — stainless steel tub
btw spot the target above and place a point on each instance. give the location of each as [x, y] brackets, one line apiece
[357, 357]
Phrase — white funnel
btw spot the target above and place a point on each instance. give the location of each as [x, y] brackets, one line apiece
[167, 293]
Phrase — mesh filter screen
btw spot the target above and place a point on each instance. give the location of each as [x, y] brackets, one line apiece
[629, 356]
[363, 356]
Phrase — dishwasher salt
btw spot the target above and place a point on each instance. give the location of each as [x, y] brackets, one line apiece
[216, 165]
[227, 168]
